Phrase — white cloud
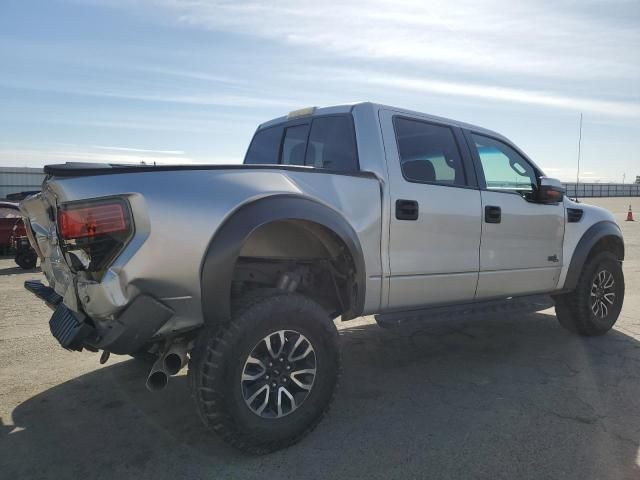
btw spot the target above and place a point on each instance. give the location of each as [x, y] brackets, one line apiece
[139, 150]
[206, 99]
[192, 74]
[58, 153]
[535, 52]
[189, 124]
[568, 174]
[518, 95]
[495, 36]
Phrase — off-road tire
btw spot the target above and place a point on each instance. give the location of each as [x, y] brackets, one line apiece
[26, 260]
[218, 359]
[574, 309]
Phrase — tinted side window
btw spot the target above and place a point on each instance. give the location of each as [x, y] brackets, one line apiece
[294, 145]
[265, 146]
[428, 153]
[332, 144]
[503, 167]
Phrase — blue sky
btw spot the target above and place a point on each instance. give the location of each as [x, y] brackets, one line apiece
[188, 81]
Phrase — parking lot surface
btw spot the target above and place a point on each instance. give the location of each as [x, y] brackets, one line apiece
[510, 397]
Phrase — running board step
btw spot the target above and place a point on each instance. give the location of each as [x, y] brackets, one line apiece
[467, 311]
[68, 329]
[43, 292]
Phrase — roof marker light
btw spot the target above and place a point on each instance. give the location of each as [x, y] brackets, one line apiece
[303, 112]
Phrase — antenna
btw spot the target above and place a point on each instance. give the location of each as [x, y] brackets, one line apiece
[579, 145]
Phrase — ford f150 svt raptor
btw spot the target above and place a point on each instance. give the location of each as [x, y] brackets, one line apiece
[336, 212]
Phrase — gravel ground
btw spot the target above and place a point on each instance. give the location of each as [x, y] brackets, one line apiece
[507, 397]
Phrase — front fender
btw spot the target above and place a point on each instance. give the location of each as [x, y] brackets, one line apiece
[223, 250]
[589, 239]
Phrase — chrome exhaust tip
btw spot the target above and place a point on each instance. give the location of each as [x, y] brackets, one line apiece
[173, 363]
[157, 380]
[168, 364]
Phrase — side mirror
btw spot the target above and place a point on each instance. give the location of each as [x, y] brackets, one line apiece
[550, 191]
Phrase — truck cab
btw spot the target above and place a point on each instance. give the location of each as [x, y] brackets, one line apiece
[471, 216]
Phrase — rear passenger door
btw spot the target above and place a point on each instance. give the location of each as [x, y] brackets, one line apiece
[435, 213]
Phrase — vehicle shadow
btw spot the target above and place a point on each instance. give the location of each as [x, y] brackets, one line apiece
[17, 270]
[514, 397]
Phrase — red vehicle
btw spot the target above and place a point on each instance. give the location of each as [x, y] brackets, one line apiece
[9, 216]
[13, 236]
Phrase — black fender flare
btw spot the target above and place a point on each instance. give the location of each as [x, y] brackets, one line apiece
[593, 235]
[225, 246]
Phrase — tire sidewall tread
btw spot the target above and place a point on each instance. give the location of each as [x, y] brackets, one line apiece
[218, 358]
[574, 309]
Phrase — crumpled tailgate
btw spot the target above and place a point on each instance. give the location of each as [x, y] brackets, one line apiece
[40, 213]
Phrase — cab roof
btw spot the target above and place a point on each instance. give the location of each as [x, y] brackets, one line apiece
[311, 112]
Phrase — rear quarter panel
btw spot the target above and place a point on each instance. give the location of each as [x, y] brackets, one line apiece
[177, 213]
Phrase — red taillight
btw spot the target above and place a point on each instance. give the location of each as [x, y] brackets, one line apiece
[86, 221]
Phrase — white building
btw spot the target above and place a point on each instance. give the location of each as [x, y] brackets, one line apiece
[19, 179]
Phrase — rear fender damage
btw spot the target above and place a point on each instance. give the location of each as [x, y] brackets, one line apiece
[224, 249]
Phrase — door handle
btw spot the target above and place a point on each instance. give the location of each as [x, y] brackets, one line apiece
[492, 214]
[407, 210]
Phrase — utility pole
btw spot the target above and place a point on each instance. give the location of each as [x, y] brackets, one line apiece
[579, 146]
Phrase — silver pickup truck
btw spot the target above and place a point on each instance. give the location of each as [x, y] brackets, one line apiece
[240, 270]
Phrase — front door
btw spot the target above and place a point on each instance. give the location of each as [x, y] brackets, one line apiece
[521, 248]
[435, 220]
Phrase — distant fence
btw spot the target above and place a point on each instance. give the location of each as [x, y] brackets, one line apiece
[602, 189]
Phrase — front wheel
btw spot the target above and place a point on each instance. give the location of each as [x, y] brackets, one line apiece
[595, 304]
[266, 379]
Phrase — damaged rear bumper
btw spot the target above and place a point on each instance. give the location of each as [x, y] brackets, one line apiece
[128, 333]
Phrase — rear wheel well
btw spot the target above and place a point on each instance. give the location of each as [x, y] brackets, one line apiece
[298, 256]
